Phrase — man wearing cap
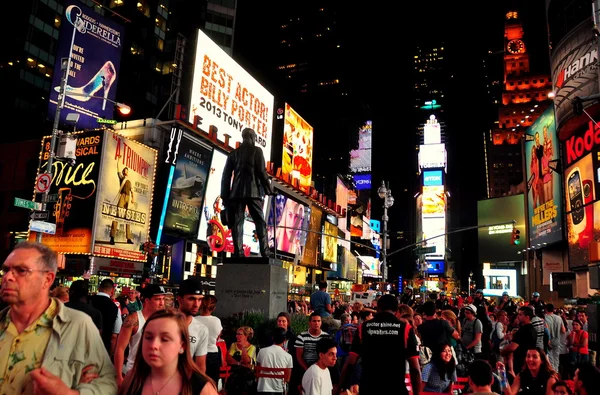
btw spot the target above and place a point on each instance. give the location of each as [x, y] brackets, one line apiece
[442, 303]
[506, 304]
[537, 304]
[153, 299]
[472, 331]
[189, 298]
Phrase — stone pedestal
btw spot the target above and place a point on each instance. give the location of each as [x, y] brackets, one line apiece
[251, 283]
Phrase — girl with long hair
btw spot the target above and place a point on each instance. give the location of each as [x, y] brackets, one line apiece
[163, 364]
[537, 376]
[213, 323]
[439, 374]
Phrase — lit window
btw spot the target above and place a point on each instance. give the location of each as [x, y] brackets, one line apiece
[160, 44]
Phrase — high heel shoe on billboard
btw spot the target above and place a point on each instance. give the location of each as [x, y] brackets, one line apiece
[103, 79]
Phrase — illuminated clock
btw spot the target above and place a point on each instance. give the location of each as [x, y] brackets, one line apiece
[515, 46]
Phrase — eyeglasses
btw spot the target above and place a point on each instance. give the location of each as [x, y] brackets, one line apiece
[18, 271]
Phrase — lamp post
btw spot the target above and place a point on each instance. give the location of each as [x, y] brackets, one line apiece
[385, 193]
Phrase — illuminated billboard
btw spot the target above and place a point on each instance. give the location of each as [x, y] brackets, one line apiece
[228, 97]
[369, 265]
[211, 230]
[76, 190]
[432, 156]
[341, 200]
[329, 245]
[498, 281]
[124, 205]
[292, 219]
[362, 181]
[544, 187]
[432, 178]
[495, 239]
[95, 62]
[432, 227]
[432, 131]
[436, 267]
[309, 258]
[186, 197]
[360, 159]
[434, 201]
[297, 149]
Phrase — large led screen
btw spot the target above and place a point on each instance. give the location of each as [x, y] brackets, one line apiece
[436, 267]
[360, 159]
[228, 97]
[211, 229]
[289, 233]
[432, 156]
[434, 201]
[95, 61]
[329, 245]
[369, 265]
[124, 206]
[544, 187]
[297, 149]
[432, 227]
[309, 258]
[494, 238]
[75, 189]
[498, 281]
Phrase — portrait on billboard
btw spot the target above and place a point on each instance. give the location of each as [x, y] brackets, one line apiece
[297, 149]
[434, 201]
[291, 225]
[580, 195]
[311, 247]
[544, 189]
[93, 75]
[329, 246]
[73, 192]
[124, 198]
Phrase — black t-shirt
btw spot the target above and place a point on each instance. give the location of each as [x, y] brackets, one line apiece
[435, 333]
[526, 338]
[384, 344]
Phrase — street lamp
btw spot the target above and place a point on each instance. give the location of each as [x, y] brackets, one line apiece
[385, 193]
[121, 107]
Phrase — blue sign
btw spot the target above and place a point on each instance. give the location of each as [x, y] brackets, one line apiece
[432, 178]
[435, 267]
[362, 181]
[95, 61]
[400, 285]
[376, 225]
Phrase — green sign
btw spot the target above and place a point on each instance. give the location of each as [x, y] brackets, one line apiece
[30, 204]
[107, 121]
[425, 250]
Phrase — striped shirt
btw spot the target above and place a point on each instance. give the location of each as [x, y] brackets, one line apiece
[309, 343]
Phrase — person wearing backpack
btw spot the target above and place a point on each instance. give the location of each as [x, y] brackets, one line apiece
[343, 339]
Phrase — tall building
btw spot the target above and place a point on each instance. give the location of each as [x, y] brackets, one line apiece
[524, 98]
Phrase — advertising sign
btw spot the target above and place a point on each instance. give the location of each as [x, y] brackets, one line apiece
[370, 265]
[94, 67]
[187, 191]
[574, 65]
[360, 159]
[309, 258]
[341, 200]
[211, 230]
[76, 188]
[228, 97]
[297, 149]
[544, 187]
[433, 227]
[495, 240]
[115, 266]
[432, 156]
[498, 281]
[362, 181]
[329, 245]
[432, 131]
[292, 223]
[432, 178]
[434, 201]
[436, 267]
[124, 198]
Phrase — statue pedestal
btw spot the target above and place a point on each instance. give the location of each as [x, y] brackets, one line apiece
[251, 284]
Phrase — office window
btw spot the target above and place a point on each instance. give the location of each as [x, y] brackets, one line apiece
[161, 23]
[143, 7]
[160, 44]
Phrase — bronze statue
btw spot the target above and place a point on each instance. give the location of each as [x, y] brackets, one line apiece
[250, 185]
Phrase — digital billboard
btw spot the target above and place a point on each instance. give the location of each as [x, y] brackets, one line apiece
[341, 200]
[309, 258]
[432, 178]
[360, 159]
[186, 196]
[95, 62]
[297, 149]
[289, 234]
[544, 187]
[369, 265]
[432, 156]
[125, 188]
[228, 97]
[434, 201]
[436, 267]
[498, 281]
[432, 131]
[431, 227]
[362, 181]
[75, 188]
[495, 239]
[329, 245]
[211, 229]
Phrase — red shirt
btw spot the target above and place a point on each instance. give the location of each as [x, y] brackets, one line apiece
[577, 339]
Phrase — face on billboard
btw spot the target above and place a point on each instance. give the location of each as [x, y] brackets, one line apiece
[228, 97]
[124, 198]
[309, 256]
[94, 67]
[434, 201]
[297, 149]
[330, 243]
[432, 227]
[495, 239]
[292, 222]
[544, 190]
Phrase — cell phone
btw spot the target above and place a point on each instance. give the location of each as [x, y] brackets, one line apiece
[576, 202]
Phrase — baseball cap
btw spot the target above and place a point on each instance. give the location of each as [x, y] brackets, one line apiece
[151, 290]
[536, 294]
[189, 287]
[504, 293]
[472, 308]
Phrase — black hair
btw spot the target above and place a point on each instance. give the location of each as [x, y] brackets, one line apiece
[480, 373]
[527, 311]
[387, 303]
[561, 383]
[279, 335]
[446, 369]
[325, 344]
[429, 308]
[107, 283]
[78, 290]
[588, 374]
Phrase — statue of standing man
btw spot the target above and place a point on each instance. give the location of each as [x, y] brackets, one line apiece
[246, 165]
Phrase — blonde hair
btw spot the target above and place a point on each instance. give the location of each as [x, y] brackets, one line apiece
[247, 331]
[451, 317]
[59, 292]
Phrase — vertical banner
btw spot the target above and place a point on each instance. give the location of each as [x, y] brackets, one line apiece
[292, 219]
[187, 192]
[297, 149]
[73, 193]
[96, 56]
[312, 238]
[543, 184]
[329, 242]
[124, 198]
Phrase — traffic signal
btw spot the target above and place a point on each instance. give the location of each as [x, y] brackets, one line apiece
[516, 238]
[577, 104]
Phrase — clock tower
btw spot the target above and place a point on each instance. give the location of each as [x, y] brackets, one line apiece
[524, 98]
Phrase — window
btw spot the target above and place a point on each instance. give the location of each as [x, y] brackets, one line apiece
[143, 7]
[116, 3]
[161, 23]
[160, 44]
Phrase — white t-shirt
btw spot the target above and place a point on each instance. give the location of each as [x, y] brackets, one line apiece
[214, 330]
[198, 338]
[317, 381]
[273, 357]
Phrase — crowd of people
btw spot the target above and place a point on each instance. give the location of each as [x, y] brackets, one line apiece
[93, 345]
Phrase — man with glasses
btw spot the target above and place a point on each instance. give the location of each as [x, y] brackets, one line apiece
[43, 344]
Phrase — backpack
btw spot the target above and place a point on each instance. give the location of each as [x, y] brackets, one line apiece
[346, 337]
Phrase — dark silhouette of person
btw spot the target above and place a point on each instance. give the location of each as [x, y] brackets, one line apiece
[246, 164]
